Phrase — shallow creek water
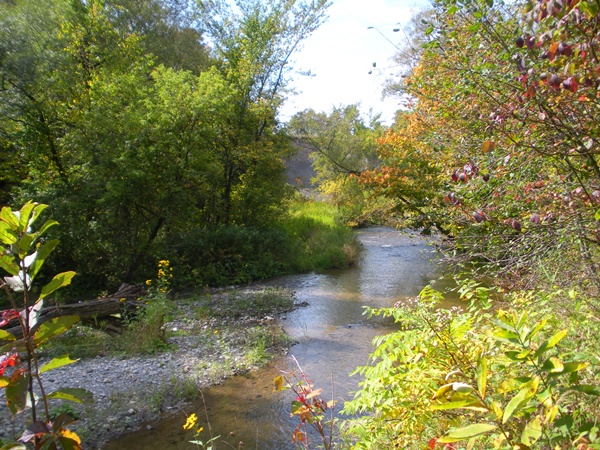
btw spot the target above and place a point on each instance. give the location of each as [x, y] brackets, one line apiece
[333, 338]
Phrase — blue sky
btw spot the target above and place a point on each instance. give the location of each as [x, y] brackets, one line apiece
[340, 54]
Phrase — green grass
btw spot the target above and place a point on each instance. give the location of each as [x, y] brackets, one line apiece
[319, 239]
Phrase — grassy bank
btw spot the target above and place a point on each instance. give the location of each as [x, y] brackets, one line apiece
[311, 236]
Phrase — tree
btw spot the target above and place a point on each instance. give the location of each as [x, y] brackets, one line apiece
[344, 147]
[254, 47]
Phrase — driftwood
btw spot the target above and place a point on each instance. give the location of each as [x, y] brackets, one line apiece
[99, 313]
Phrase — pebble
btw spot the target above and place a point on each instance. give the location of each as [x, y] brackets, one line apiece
[123, 387]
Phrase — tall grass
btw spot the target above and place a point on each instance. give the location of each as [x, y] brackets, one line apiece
[318, 238]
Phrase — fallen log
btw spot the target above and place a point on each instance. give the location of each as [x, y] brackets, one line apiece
[99, 313]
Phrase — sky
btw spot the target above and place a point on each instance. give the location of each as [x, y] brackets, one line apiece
[341, 53]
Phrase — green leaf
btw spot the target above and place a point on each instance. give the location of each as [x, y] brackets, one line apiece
[536, 329]
[460, 404]
[597, 215]
[7, 262]
[6, 336]
[39, 208]
[585, 388]
[557, 338]
[550, 343]
[57, 362]
[7, 235]
[553, 365]
[24, 215]
[470, 431]
[7, 215]
[53, 328]
[481, 375]
[13, 446]
[76, 395]
[60, 280]
[46, 226]
[41, 255]
[532, 432]
[574, 366]
[16, 391]
[528, 391]
[296, 405]
[506, 335]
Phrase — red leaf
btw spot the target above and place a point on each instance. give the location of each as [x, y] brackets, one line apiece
[432, 443]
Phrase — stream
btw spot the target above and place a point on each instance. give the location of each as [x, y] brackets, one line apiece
[333, 338]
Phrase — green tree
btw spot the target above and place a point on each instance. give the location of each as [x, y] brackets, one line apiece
[344, 146]
[254, 47]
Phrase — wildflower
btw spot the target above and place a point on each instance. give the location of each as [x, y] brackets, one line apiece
[191, 421]
[122, 299]
[148, 282]
[200, 430]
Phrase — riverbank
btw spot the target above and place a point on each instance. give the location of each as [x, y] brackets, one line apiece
[208, 339]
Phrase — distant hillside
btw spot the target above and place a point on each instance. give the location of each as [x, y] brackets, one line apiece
[300, 170]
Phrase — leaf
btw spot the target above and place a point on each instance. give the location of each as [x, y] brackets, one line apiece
[550, 343]
[16, 391]
[532, 432]
[528, 391]
[488, 146]
[76, 395]
[481, 375]
[39, 208]
[7, 262]
[314, 393]
[597, 215]
[57, 362]
[557, 338]
[24, 215]
[60, 280]
[278, 383]
[6, 336]
[42, 254]
[69, 440]
[553, 365]
[4, 381]
[7, 235]
[13, 446]
[574, 366]
[467, 432]
[585, 388]
[460, 404]
[7, 215]
[53, 327]
[46, 226]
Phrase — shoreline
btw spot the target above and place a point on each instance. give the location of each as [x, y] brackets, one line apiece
[131, 392]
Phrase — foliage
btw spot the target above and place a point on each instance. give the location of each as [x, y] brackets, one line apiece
[133, 154]
[504, 379]
[343, 147]
[497, 146]
[24, 252]
[312, 411]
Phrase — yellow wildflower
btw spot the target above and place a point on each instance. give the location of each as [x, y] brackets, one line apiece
[191, 421]
[148, 282]
[122, 299]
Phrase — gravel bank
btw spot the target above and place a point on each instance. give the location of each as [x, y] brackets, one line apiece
[133, 391]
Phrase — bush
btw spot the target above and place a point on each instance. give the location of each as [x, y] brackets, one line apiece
[507, 379]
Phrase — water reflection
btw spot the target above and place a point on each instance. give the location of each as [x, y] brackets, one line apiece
[333, 335]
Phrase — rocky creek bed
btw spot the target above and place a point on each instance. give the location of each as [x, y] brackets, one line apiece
[201, 350]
